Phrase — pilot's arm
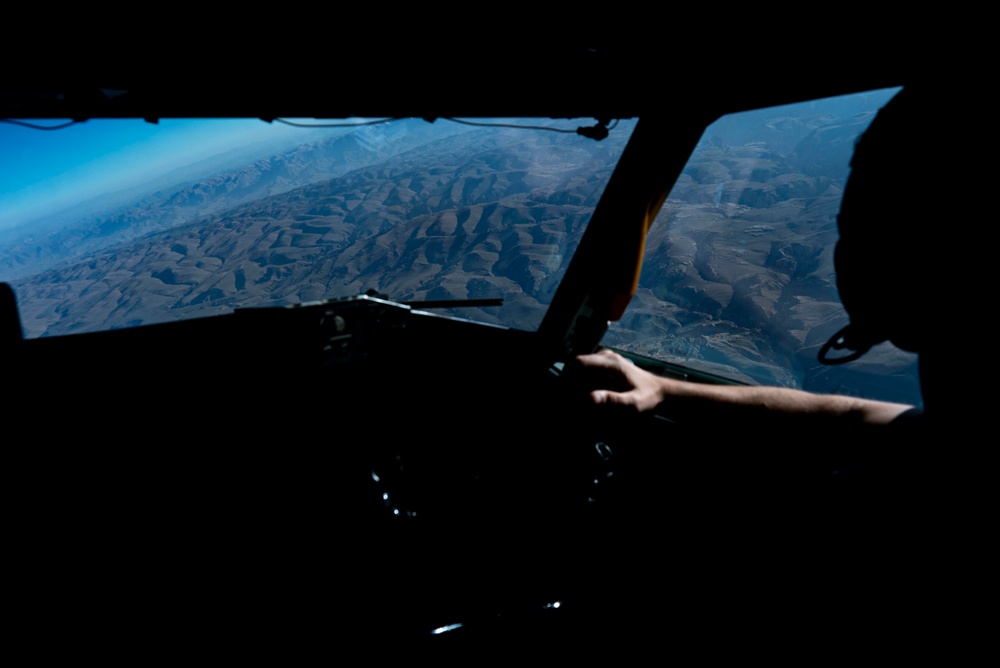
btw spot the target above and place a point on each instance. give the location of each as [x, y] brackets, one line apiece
[616, 381]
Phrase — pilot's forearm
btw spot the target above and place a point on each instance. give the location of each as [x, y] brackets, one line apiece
[642, 391]
[764, 401]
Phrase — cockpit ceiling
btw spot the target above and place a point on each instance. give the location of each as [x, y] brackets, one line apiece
[420, 80]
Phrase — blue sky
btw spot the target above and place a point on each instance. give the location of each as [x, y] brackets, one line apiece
[44, 171]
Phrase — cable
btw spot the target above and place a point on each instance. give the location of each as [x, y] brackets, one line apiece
[509, 125]
[596, 132]
[39, 127]
[331, 125]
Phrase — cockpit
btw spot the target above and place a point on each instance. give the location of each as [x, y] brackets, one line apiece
[295, 380]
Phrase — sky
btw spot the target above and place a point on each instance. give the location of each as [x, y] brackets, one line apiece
[43, 171]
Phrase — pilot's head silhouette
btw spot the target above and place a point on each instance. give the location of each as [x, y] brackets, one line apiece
[884, 255]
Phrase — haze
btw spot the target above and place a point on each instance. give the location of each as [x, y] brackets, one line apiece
[52, 165]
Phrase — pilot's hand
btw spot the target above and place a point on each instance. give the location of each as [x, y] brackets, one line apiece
[617, 381]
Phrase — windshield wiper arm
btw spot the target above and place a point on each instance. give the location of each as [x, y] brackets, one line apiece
[454, 303]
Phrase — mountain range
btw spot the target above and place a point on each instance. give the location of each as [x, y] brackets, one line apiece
[488, 218]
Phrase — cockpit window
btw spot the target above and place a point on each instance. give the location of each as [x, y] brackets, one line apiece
[738, 278]
[115, 223]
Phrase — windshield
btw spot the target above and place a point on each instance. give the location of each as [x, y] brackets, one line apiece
[737, 276]
[115, 223]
